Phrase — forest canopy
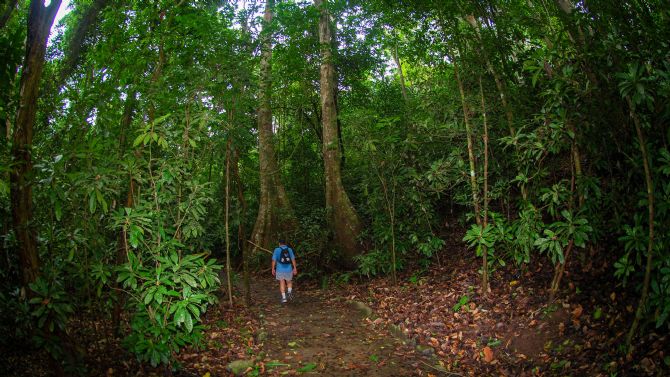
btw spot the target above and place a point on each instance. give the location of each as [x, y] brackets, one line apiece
[149, 147]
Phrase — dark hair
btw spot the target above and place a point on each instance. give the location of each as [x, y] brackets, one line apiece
[282, 241]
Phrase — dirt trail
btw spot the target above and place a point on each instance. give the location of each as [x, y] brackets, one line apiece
[319, 335]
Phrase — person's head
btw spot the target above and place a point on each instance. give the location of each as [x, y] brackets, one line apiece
[282, 241]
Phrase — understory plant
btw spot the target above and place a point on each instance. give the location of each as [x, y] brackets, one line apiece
[170, 292]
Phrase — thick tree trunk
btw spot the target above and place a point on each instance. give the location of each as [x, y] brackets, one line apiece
[40, 19]
[339, 130]
[343, 218]
[275, 216]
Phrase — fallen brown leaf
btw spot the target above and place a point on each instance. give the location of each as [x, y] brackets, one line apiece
[488, 354]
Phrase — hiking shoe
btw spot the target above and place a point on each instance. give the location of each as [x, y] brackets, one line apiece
[283, 301]
[290, 296]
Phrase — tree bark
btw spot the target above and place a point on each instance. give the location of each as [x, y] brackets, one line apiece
[40, 19]
[343, 218]
[275, 216]
[75, 45]
[7, 97]
[229, 272]
[122, 248]
[485, 262]
[7, 12]
[650, 205]
[396, 58]
[471, 154]
[241, 231]
[558, 272]
[473, 176]
[339, 130]
[500, 84]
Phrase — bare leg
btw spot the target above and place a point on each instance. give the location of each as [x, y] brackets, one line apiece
[282, 286]
[290, 284]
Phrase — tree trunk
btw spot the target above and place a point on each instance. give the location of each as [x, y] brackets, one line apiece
[40, 19]
[471, 155]
[473, 177]
[229, 272]
[339, 130]
[342, 216]
[577, 157]
[558, 272]
[650, 205]
[75, 44]
[485, 262]
[7, 12]
[500, 85]
[390, 208]
[275, 216]
[122, 248]
[241, 231]
[396, 58]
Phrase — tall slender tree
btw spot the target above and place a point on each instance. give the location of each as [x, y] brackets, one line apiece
[343, 217]
[275, 216]
[40, 19]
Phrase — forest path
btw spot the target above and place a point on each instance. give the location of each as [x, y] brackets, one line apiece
[316, 334]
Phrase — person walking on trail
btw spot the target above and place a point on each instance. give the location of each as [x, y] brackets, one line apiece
[283, 269]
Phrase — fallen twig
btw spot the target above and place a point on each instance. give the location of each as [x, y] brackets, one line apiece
[260, 247]
[441, 370]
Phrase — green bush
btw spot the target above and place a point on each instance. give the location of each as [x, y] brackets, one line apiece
[169, 294]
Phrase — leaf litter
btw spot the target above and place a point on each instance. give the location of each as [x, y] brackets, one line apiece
[435, 325]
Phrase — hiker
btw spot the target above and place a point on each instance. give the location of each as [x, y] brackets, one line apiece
[283, 269]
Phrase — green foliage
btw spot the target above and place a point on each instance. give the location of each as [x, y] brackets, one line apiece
[481, 238]
[129, 153]
[431, 246]
[558, 234]
[16, 320]
[376, 262]
[51, 310]
[49, 306]
[659, 298]
[462, 303]
[171, 293]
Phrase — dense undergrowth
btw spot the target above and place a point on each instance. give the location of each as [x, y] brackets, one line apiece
[531, 136]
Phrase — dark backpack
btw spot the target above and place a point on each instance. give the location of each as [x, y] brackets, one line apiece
[285, 256]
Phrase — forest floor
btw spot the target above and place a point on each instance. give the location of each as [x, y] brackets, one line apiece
[434, 322]
[323, 333]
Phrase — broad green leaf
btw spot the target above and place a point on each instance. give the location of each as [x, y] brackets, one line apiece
[307, 368]
[92, 203]
[188, 321]
[138, 140]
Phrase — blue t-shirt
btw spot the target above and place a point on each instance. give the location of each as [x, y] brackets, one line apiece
[280, 266]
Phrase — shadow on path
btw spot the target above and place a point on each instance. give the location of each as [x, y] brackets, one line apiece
[316, 334]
